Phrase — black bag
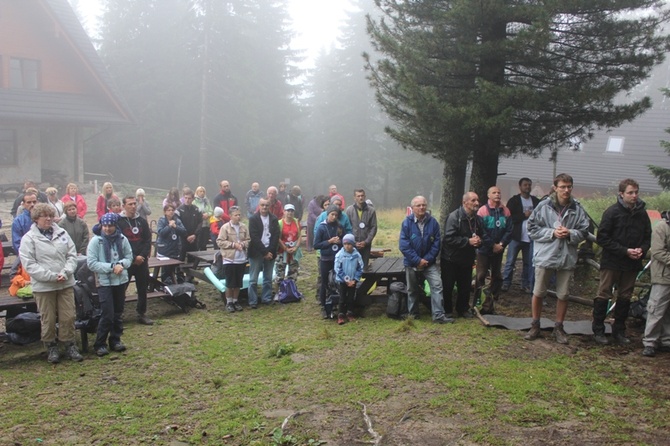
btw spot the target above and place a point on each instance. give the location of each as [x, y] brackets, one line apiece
[25, 324]
[638, 308]
[182, 296]
[397, 301]
[87, 306]
[217, 266]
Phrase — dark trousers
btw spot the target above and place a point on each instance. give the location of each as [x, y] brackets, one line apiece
[461, 276]
[325, 266]
[347, 297]
[141, 274]
[494, 263]
[112, 299]
[202, 238]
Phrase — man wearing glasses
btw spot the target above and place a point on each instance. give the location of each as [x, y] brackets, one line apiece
[557, 226]
[22, 223]
[264, 240]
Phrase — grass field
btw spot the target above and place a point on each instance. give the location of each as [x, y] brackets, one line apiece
[210, 377]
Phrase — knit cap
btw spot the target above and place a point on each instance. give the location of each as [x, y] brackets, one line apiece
[218, 212]
[110, 219]
[349, 238]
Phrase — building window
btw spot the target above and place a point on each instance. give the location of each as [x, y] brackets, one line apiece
[24, 73]
[8, 152]
[615, 144]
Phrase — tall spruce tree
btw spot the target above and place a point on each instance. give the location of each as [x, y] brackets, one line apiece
[474, 81]
[661, 173]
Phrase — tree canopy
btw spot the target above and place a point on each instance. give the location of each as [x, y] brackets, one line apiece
[469, 81]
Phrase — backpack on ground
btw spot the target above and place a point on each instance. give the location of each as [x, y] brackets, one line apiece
[87, 306]
[182, 296]
[396, 306]
[24, 328]
[288, 292]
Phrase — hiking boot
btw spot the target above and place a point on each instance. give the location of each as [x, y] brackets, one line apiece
[144, 320]
[466, 314]
[340, 319]
[649, 352]
[324, 313]
[505, 287]
[534, 332]
[73, 352]
[253, 307]
[350, 317]
[230, 308]
[600, 338]
[237, 306]
[620, 338]
[53, 355]
[443, 320]
[101, 351]
[117, 347]
[559, 334]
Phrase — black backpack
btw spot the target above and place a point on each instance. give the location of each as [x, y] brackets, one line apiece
[87, 306]
[182, 296]
[396, 306]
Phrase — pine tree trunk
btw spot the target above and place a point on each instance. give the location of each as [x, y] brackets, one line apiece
[453, 186]
[484, 172]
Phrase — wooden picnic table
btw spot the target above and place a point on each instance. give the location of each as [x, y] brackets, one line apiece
[383, 271]
[197, 261]
[7, 248]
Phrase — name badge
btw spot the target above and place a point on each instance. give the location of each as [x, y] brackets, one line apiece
[335, 247]
[135, 230]
[361, 225]
[497, 223]
[174, 236]
[347, 278]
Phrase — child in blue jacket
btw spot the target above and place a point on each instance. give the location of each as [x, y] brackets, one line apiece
[348, 272]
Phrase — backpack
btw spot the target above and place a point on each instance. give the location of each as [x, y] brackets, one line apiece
[182, 296]
[87, 306]
[288, 292]
[638, 308]
[396, 306]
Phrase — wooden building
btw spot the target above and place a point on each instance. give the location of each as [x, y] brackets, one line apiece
[54, 90]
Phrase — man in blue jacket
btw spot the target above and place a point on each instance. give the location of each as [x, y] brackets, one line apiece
[420, 245]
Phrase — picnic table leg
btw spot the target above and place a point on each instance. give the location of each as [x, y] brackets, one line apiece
[84, 340]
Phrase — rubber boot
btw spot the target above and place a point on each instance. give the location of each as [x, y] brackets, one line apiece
[619, 327]
[598, 325]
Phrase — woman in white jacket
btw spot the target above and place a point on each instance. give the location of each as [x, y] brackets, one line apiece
[48, 254]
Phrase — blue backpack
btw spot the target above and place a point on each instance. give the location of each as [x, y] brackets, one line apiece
[288, 292]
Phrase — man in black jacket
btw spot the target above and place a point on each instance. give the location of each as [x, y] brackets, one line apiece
[463, 234]
[520, 207]
[191, 217]
[625, 236]
[137, 231]
[264, 239]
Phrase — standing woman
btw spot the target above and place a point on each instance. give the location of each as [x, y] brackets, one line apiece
[49, 256]
[314, 209]
[72, 194]
[55, 203]
[328, 240]
[233, 240]
[289, 252]
[172, 198]
[109, 256]
[205, 207]
[143, 208]
[106, 194]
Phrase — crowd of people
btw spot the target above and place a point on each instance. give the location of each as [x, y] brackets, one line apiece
[546, 232]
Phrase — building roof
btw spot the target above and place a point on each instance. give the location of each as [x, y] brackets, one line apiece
[106, 106]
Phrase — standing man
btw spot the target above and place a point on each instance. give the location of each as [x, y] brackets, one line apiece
[225, 200]
[363, 219]
[498, 228]
[137, 231]
[276, 206]
[520, 207]
[191, 217]
[657, 328]
[264, 239]
[252, 198]
[625, 236]
[22, 223]
[557, 226]
[332, 192]
[463, 234]
[420, 245]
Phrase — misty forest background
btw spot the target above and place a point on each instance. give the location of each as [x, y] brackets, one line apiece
[263, 118]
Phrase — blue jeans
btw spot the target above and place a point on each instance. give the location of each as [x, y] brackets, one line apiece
[432, 276]
[112, 300]
[256, 265]
[528, 272]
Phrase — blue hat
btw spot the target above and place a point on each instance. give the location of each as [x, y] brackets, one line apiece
[110, 218]
[349, 238]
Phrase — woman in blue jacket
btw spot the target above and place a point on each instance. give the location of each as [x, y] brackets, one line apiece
[328, 239]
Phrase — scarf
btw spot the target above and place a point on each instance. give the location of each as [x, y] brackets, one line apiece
[109, 240]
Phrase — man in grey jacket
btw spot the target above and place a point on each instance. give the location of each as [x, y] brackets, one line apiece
[657, 330]
[364, 224]
[556, 226]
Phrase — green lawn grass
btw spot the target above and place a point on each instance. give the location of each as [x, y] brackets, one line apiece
[210, 377]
